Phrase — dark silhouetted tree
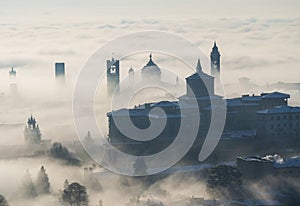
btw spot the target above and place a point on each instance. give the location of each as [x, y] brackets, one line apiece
[59, 151]
[3, 201]
[27, 189]
[42, 184]
[75, 195]
[224, 181]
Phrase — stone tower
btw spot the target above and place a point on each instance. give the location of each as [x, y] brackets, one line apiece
[215, 60]
[113, 76]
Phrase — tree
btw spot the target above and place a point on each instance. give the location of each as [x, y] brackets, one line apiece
[59, 151]
[42, 184]
[27, 189]
[3, 201]
[224, 181]
[75, 195]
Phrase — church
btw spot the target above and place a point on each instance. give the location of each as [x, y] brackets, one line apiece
[151, 72]
[245, 116]
[199, 87]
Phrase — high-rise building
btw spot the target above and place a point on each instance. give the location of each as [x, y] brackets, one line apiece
[113, 76]
[215, 60]
[60, 72]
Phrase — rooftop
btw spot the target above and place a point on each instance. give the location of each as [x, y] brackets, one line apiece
[151, 66]
[277, 161]
[280, 110]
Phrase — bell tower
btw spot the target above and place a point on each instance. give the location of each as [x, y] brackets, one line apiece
[113, 76]
[215, 62]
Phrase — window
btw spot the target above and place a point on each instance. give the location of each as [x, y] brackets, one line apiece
[278, 117]
[113, 69]
[272, 118]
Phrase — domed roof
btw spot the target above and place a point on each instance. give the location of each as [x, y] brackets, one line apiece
[151, 67]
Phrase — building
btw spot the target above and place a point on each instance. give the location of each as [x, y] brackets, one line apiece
[13, 84]
[60, 72]
[32, 132]
[113, 76]
[255, 117]
[256, 167]
[196, 89]
[12, 73]
[151, 72]
[215, 60]
[280, 121]
[241, 111]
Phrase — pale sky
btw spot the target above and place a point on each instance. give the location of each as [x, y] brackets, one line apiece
[49, 10]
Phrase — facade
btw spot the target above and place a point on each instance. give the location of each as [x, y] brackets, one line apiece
[241, 111]
[113, 76]
[60, 72]
[32, 132]
[280, 121]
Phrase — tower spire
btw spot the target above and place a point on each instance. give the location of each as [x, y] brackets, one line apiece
[215, 61]
[199, 67]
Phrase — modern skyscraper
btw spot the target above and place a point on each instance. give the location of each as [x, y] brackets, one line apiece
[60, 72]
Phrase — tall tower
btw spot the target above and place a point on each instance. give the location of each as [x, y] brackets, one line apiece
[131, 74]
[113, 76]
[215, 60]
[13, 83]
[60, 72]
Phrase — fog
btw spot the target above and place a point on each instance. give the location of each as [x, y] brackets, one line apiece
[263, 49]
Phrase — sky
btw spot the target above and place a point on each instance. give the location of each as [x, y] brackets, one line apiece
[254, 36]
[258, 39]
[47, 10]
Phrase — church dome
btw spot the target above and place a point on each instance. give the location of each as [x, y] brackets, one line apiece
[151, 67]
